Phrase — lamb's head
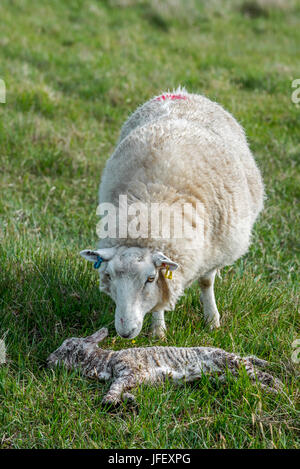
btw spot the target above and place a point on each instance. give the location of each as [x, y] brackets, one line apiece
[131, 277]
[74, 350]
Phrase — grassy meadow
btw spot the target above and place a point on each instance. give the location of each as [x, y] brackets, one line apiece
[73, 71]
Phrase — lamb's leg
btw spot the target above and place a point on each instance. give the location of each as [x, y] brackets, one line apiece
[119, 385]
[257, 361]
[158, 326]
[268, 382]
[211, 313]
[128, 398]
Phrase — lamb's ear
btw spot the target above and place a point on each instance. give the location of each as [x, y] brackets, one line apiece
[97, 336]
[161, 261]
[106, 254]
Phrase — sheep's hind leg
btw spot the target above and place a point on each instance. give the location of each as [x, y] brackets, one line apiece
[211, 313]
[158, 326]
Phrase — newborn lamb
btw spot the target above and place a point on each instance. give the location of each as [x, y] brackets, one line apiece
[130, 367]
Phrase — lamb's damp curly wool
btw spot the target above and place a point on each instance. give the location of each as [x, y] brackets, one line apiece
[130, 367]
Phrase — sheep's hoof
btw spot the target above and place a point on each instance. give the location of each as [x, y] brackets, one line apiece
[158, 332]
[214, 326]
[213, 323]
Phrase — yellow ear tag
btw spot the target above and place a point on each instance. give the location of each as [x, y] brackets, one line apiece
[168, 274]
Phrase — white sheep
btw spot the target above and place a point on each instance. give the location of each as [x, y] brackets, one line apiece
[176, 149]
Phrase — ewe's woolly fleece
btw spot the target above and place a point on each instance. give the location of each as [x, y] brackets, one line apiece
[187, 151]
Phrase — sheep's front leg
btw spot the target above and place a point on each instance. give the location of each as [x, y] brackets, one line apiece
[114, 395]
[158, 326]
[211, 313]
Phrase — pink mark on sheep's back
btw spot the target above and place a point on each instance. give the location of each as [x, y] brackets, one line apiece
[163, 97]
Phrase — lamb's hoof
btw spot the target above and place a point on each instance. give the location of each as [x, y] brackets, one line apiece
[129, 400]
[128, 397]
[111, 403]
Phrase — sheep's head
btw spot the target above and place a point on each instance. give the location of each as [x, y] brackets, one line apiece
[74, 350]
[131, 277]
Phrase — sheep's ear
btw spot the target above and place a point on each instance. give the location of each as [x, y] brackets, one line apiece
[93, 256]
[97, 336]
[162, 261]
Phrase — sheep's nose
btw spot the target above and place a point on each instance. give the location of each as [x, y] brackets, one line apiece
[125, 336]
[131, 334]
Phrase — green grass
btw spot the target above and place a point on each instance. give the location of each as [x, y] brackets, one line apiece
[73, 72]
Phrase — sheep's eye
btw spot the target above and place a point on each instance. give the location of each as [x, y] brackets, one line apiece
[107, 276]
[150, 279]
